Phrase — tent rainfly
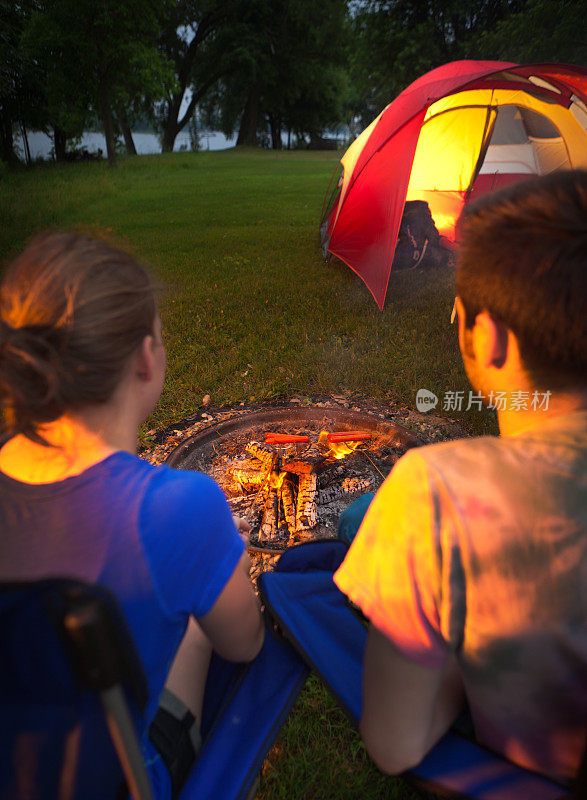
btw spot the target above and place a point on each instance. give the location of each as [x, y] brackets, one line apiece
[459, 131]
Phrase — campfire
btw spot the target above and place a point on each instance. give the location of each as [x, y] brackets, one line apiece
[290, 472]
[280, 483]
[293, 487]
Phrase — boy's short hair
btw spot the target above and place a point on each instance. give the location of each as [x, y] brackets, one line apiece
[523, 258]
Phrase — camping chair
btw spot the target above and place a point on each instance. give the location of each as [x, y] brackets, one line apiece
[312, 613]
[66, 654]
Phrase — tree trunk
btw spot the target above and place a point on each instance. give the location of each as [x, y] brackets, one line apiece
[247, 134]
[170, 132]
[173, 125]
[25, 140]
[7, 140]
[126, 131]
[59, 143]
[108, 123]
[275, 124]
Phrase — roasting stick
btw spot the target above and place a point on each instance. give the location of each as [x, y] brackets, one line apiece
[337, 436]
[284, 438]
[349, 436]
[371, 460]
[266, 551]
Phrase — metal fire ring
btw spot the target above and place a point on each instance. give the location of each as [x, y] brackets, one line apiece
[215, 433]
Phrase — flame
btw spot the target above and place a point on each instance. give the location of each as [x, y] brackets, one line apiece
[276, 479]
[339, 450]
[336, 450]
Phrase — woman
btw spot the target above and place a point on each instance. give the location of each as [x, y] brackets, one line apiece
[82, 365]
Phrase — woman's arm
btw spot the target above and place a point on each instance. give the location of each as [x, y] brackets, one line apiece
[234, 624]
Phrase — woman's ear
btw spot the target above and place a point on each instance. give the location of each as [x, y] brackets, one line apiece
[145, 359]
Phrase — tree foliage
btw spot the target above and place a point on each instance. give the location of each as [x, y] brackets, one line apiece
[304, 86]
[399, 40]
[193, 39]
[543, 31]
[252, 65]
[287, 70]
[20, 93]
[88, 57]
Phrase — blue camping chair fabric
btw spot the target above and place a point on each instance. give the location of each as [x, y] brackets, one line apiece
[315, 617]
[244, 708]
[66, 653]
[65, 656]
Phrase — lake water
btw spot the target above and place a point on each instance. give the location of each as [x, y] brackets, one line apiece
[146, 143]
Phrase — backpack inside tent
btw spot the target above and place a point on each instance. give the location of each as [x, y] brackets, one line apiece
[457, 132]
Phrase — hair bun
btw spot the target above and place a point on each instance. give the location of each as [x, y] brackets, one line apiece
[5, 331]
[30, 365]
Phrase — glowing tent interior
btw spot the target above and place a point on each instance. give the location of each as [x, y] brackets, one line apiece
[458, 131]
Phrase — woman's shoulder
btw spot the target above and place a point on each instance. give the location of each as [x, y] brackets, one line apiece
[176, 489]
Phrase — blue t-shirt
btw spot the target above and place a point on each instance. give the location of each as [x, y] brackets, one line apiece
[162, 540]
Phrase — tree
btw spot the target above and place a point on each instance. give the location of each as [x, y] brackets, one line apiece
[20, 89]
[399, 40]
[95, 55]
[305, 86]
[544, 31]
[197, 39]
[64, 96]
[287, 70]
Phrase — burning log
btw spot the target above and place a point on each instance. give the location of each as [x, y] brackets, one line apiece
[348, 486]
[352, 485]
[331, 472]
[258, 504]
[298, 467]
[269, 522]
[289, 509]
[266, 455]
[305, 463]
[248, 478]
[306, 511]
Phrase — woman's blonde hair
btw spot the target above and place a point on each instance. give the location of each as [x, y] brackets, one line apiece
[72, 310]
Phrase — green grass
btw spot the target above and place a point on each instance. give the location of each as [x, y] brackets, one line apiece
[251, 312]
[250, 309]
[319, 757]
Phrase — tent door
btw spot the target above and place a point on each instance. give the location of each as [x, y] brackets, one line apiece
[490, 120]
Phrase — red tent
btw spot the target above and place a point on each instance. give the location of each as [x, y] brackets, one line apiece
[432, 142]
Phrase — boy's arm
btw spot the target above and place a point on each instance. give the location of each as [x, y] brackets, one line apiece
[407, 707]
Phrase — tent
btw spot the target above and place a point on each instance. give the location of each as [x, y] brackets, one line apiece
[462, 129]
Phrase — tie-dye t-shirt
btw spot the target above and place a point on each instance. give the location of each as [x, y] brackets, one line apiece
[479, 547]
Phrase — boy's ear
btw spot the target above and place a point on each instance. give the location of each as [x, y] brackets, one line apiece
[459, 310]
[490, 341]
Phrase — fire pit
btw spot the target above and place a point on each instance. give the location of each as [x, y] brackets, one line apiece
[290, 471]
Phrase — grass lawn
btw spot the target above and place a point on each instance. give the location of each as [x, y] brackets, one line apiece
[251, 312]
